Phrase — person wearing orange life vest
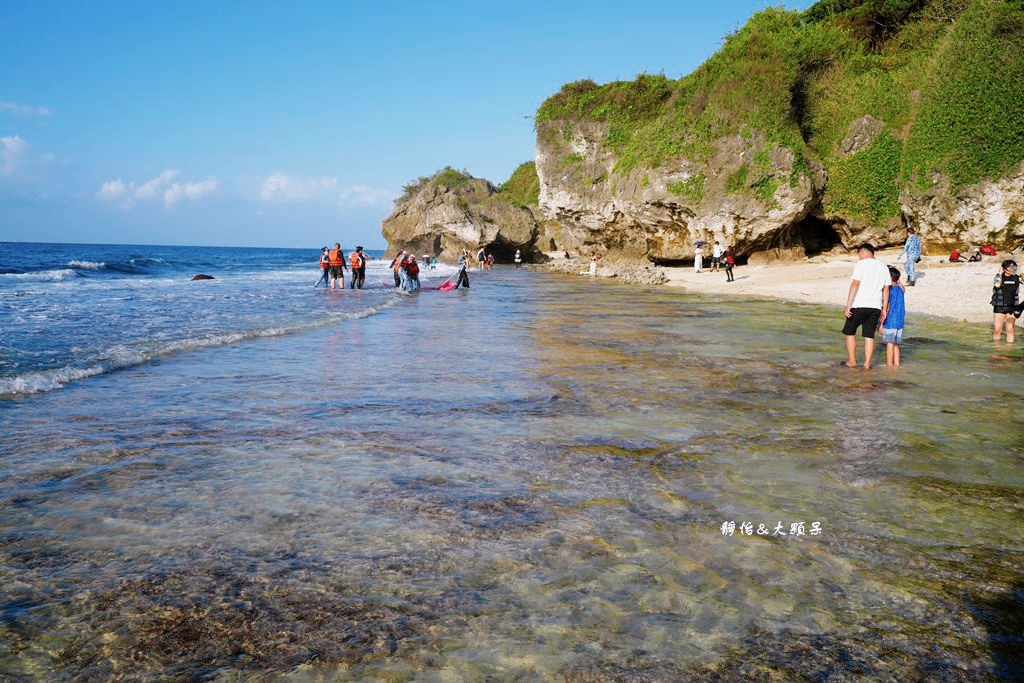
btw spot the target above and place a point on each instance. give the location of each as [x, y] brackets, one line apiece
[336, 260]
[396, 267]
[410, 273]
[358, 260]
[325, 268]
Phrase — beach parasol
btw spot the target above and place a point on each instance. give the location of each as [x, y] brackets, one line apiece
[699, 243]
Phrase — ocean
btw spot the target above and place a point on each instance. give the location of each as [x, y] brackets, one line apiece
[542, 477]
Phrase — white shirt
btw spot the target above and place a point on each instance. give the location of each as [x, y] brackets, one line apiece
[873, 276]
[717, 251]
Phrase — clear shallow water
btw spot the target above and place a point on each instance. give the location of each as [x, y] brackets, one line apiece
[524, 481]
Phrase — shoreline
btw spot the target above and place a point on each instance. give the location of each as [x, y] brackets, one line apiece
[954, 291]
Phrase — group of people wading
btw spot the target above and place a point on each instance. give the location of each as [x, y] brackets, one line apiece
[333, 265]
[405, 267]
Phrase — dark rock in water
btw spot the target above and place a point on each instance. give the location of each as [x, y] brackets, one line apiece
[202, 276]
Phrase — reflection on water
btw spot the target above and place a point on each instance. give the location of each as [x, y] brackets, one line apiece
[523, 482]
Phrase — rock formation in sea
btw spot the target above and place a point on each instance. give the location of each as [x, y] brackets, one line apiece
[450, 211]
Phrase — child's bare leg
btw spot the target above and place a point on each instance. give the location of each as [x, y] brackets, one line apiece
[890, 354]
[851, 350]
[869, 351]
[1010, 321]
[997, 326]
[896, 354]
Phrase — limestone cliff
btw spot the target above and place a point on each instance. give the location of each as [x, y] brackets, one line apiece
[451, 211]
[806, 131]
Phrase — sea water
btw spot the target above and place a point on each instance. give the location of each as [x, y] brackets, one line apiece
[540, 477]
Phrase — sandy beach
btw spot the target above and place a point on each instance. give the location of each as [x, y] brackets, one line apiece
[959, 291]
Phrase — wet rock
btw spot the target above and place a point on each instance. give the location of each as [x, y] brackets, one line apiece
[202, 276]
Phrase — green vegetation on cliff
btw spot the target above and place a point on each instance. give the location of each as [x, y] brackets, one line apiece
[523, 187]
[446, 177]
[944, 77]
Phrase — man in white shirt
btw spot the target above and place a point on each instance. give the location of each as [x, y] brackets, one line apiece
[716, 256]
[866, 304]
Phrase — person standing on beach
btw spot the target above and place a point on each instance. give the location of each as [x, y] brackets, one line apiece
[336, 259]
[892, 328]
[518, 258]
[912, 248]
[481, 258]
[358, 269]
[698, 259]
[866, 304]
[593, 263]
[1005, 292]
[729, 263]
[716, 256]
[463, 280]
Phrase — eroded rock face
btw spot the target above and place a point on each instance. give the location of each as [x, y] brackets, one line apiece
[748, 196]
[441, 220]
[990, 212]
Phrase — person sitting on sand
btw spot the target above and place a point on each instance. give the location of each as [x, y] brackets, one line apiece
[954, 257]
[1005, 291]
[975, 255]
[866, 304]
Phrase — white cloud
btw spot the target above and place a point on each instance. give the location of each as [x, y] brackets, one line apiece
[151, 189]
[189, 190]
[12, 149]
[163, 185]
[24, 110]
[281, 186]
[111, 190]
[361, 195]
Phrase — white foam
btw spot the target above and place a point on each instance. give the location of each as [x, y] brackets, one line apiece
[121, 356]
[45, 275]
[86, 265]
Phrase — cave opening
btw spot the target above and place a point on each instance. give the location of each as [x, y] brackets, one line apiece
[816, 235]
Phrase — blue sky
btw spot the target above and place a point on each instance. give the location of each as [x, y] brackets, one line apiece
[293, 124]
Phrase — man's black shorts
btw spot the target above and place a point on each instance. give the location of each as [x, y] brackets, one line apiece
[337, 271]
[866, 319]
